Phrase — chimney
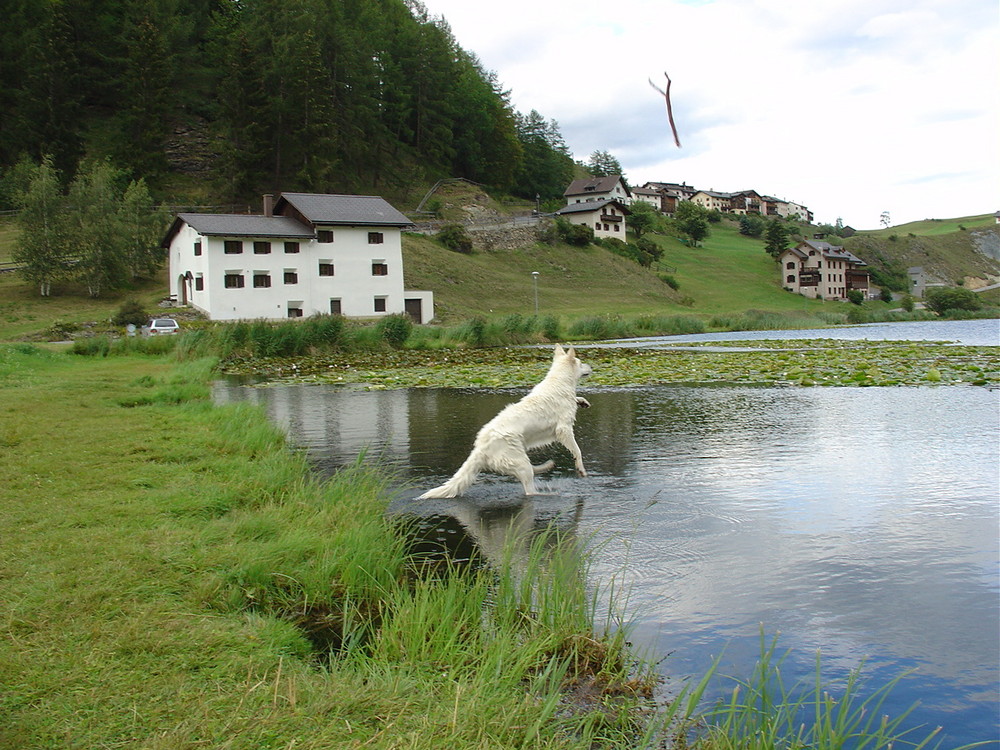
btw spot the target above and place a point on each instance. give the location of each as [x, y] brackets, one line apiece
[268, 204]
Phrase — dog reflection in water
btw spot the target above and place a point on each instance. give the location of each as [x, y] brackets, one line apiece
[478, 530]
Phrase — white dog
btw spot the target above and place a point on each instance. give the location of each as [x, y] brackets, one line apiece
[542, 417]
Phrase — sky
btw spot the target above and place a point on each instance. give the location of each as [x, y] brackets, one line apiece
[850, 107]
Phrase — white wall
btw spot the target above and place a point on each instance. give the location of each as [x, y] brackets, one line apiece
[352, 283]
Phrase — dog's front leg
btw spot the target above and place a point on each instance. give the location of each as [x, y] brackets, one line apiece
[581, 401]
[568, 439]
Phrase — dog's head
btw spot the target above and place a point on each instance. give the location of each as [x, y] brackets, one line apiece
[569, 358]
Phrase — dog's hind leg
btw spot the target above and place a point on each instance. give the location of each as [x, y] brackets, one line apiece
[525, 473]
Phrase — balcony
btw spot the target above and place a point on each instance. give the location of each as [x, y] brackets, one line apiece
[610, 217]
[857, 280]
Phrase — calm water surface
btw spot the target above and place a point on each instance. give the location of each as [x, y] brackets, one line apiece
[859, 521]
[970, 332]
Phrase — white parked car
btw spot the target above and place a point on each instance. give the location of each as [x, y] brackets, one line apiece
[162, 327]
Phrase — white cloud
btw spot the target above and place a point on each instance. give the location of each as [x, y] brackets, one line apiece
[852, 107]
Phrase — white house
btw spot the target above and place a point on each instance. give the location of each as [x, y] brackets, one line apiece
[306, 254]
[598, 189]
[605, 217]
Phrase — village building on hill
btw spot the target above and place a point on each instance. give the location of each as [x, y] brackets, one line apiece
[819, 270]
[667, 195]
[606, 217]
[306, 254]
[611, 187]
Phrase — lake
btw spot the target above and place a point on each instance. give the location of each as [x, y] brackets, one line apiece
[861, 522]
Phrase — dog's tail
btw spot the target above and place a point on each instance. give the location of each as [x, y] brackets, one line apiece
[461, 481]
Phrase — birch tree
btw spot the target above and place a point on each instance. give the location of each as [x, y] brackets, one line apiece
[41, 248]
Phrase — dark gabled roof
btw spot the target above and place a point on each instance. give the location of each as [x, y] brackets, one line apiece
[240, 225]
[795, 251]
[833, 251]
[343, 209]
[587, 206]
[591, 185]
[681, 188]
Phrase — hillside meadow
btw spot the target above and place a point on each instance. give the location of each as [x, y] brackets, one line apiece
[729, 274]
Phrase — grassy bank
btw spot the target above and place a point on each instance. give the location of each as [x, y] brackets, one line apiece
[174, 578]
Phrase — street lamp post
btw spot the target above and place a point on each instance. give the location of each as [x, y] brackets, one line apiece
[534, 278]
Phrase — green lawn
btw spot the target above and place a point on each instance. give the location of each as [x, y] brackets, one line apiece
[732, 273]
[171, 573]
[933, 227]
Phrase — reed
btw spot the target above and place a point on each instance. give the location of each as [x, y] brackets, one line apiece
[762, 712]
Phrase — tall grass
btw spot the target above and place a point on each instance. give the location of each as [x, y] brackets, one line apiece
[331, 334]
[764, 713]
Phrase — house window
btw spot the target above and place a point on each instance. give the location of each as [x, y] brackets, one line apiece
[294, 312]
[291, 247]
[233, 247]
[261, 280]
[234, 280]
[335, 307]
[790, 266]
[261, 248]
[380, 304]
[199, 283]
[291, 277]
[790, 279]
[325, 268]
[197, 247]
[375, 238]
[379, 268]
[324, 235]
[617, 228]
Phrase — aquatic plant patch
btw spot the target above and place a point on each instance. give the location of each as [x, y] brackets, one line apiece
[788, 362]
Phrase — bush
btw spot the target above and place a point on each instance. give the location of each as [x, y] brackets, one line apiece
[574, 234]
[627, 250]
[855, 297]
[752, 225]
[940, 300]
[395, 329]
[132, 312]
[454, 237]
[906, 303]
[670, 281]
[650, 248]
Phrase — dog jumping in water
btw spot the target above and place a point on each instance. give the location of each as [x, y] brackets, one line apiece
[544, 416]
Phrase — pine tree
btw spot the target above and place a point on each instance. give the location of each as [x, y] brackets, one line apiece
[775, 238]
[603, 164]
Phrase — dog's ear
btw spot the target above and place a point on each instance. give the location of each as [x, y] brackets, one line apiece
[558, 352]
[571, 352]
